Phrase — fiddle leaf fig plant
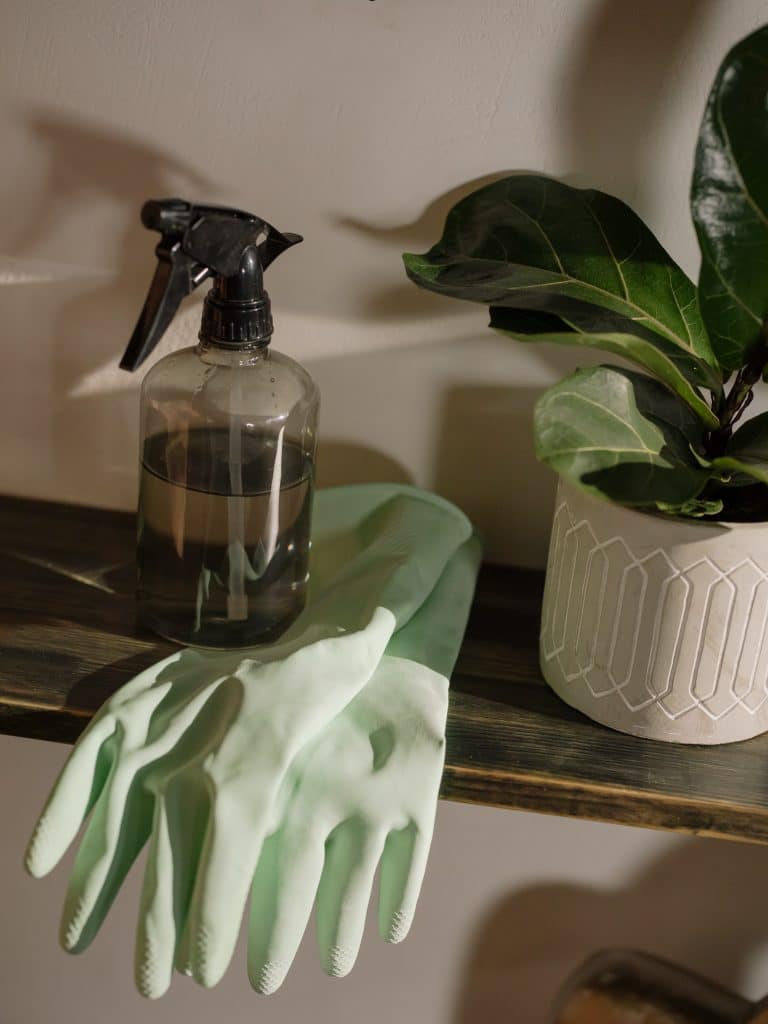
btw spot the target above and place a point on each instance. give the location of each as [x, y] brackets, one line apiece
[578, 267]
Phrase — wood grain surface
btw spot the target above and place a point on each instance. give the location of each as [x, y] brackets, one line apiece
[69, 638]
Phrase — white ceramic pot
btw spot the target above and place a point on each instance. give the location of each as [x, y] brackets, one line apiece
[657, 626]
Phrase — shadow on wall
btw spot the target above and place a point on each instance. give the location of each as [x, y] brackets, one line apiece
[604, 139]
[472, 443]
[405, 301]
[486, 464]
[615, 90]
[342, 462]
[89, 161]
[701, 906]
[86, 163]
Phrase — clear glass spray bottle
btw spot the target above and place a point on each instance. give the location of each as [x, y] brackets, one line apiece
[228, 432]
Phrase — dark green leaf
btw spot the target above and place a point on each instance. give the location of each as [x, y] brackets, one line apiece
[729, 202]
[532, 242]
[518, 322]
[747, 503]
[622, 436]
[582, 316]
[747, 453]
[666, 361]
[737, 472]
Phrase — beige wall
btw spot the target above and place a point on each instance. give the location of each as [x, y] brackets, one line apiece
[357, 124]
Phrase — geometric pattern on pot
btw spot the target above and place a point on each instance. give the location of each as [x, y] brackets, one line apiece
[679, 638]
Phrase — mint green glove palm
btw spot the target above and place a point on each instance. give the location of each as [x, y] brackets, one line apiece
[193, 752]
[363, 796]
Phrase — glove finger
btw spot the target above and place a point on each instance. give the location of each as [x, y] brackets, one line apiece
[282, 895]
[403, 864]
[76, 790]
[117, 831]
[177, 835]
[351, 857]
[211, 728]
[227, 865]
[87, 768]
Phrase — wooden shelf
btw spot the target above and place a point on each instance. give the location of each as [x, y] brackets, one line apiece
[68, 638]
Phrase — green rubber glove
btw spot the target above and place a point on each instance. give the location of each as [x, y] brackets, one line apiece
[363, 796]
[193, 751]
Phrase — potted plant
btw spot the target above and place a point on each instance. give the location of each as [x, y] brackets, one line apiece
[655, 617]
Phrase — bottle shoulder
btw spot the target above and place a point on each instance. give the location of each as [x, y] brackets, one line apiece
[268, 382]
[173, 367]
[286, 365]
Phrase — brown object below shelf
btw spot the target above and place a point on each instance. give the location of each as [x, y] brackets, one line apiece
[68, 639]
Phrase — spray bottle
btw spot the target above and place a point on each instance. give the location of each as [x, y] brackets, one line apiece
[228, 433]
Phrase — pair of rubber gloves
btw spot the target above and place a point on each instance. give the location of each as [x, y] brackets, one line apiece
[290, 772]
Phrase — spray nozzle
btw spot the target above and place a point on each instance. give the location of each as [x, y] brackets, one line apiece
[199, 242]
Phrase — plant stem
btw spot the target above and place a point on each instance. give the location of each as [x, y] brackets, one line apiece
[740, 395]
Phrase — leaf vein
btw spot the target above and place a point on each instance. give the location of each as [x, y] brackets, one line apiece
[544, 234]
[608, 246]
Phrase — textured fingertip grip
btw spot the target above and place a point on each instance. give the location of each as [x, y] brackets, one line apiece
[207, 966]
[339, 961]
[72, 924]
[36, 858]
[399, 928]
[270, 977]
[151, 981]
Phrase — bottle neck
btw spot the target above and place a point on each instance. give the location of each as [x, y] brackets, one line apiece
[236, 311]
[228, 355]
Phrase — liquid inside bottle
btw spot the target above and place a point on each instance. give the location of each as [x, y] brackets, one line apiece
[224, 535]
